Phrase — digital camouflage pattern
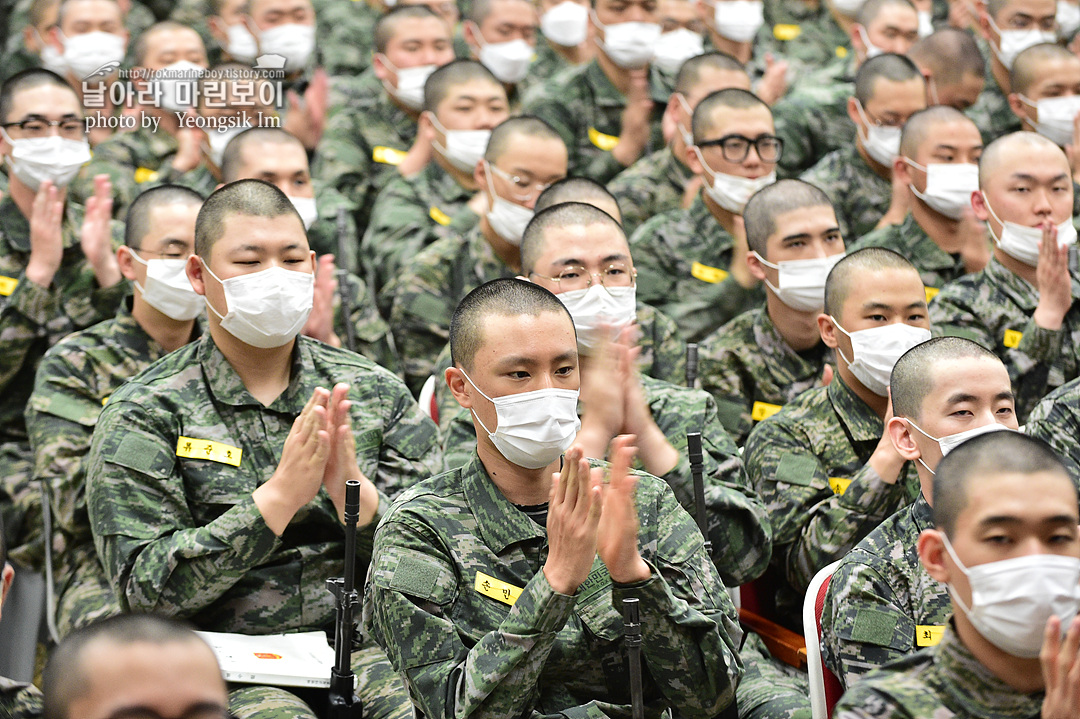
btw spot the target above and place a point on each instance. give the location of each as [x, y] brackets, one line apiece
[653, 185]
[820, 440]
[373, 338]
[812, 119]
[346, 36]
[943, 682]
[746, 363]
[74, 380]
[585, 108]
[1056, 421]
[770, 689]
[737, 522]
[936, 266]
[19, 700]
[804, 35]
[462, 652]
[995, 308]
[545, 65]
[409, 214]
[991, 112]
[859, 195]
[881, 604]
[682, 258]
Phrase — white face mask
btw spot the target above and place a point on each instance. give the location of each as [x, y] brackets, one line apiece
[951, 441]
[1012, 599]
[1056, 115]
[802, 282]
[464, 148]
[566, 24]
[881, 142]
[242, 45]
[410, 83]
[739, 20]
[629, 45]
[1014, 42]
[1068, 17]
[307, 208]
[533, 428]
[848, 8]
[268, 308]
[292, 41]
[1022, 243]
[51, 58]
[732, 192]
[179, 73]
[876, 351]
[507, 219]
[89, 51]
[168, 289]
[218, 140]
[926, 23]
[676, 47]
[948, 186]
[872, 50]
[34, 160]
[508, 61]
[599, 312]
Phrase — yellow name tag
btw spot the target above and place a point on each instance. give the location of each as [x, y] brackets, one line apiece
[105, 399]
[708, 274]
[841, 51]
[145, 174]
[839, 485]
[205, 449]
[387, 155]
[927, 635]
[1012, 338]
[497, 589]
[439, 216]
[931, 293]
[606, 143]
[763, 410]
[7, 285]
[785, 32]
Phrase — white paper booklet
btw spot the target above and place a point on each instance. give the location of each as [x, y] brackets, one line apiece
[291, 660]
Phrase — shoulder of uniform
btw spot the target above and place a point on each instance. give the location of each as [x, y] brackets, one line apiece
[432, 494]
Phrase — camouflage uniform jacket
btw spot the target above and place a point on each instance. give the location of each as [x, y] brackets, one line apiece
[807, 37]
[750, 370]
[859, 195]
[33, 318]
[323, 233]
[409, 214]
[813, 121]
[808, 463]
[881, 604]
[1056, 421]
[457, 598]
[74, 380]
[586, 110]
[373, 338]
[936, 266]
[19, 700]
[737, 523]
[346, 31]
[546, 63]
[682, 258]
[991, 112]
[943, 682]
[157, 501]
[366, 137]
[995, 308]
[653, 185]
[429, 288]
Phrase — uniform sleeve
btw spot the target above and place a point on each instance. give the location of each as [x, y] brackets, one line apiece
[723, 376]
[864, 701]
[409, 449]
[23, 315]
[410, 588]
[666, 356]
[373, 338]
[420, 317]
[398, 229]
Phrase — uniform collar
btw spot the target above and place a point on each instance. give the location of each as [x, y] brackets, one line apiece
[225, 385]
[674, 171]
[605, 94]
[508, 524]
[861, 422]
[922, 246]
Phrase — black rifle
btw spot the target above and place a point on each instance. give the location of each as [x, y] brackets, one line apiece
[697, 471]
[344, 704]
[632, 634]
[343, 279]
[691, 364]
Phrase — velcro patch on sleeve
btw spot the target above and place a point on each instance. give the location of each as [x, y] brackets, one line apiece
[142, 454]
[414, 577]
[796, 469]
[873, 627]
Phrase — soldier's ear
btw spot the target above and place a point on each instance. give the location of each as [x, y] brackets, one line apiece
[828, 331]
[757, 270]
[459, 387]
[900, 435]
[7, 575]
[195, 275]
[125, 261]
[853, 111]
[1018, 107]
[932, 555]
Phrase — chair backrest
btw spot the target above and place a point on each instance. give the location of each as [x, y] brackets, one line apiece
[426, 400]
[825, 688]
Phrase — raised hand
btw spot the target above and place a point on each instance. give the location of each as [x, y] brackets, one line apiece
[320, 323]
[46, 239]
[617, 537]
[1052, 280]
[634, 134]
[96, 236]
[1061, 670]
[574, 507]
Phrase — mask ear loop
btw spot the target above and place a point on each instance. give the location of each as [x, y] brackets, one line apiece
[489, 399]
[952, 591]
[210, 306]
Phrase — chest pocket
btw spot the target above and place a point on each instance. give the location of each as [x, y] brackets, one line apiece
[213, 484]
[599, 617]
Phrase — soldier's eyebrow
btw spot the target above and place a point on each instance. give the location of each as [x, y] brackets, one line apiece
[960, 397]
[1028, 177]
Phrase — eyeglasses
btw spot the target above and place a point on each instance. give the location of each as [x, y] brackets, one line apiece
[736, 148]
[576, 277]
[72, 128]
[522, 189]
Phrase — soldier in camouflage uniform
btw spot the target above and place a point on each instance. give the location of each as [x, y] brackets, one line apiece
[1027, 497]
[608, 114]
[27, 39]
[411, 212]
[766, 357]
[370, 123]
[954, 68]
[660, 182]
[881, 604]
[488, 26]
[803, 33]
[824, 464]
[692, 263]
[524, 156]
[346, 34]
[79, 374]
[940, 235]
[18, 700]
[858, 178]
[210, 462]
[468, 560]
[553, 54]
[1021, 306]
[58, 274]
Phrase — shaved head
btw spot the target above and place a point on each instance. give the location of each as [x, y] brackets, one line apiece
[998, 151]
[567, 214]
[579, 189]
[912, 378]
[858, 266]
[922, 125]
[1030, 65]
[949, 54]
